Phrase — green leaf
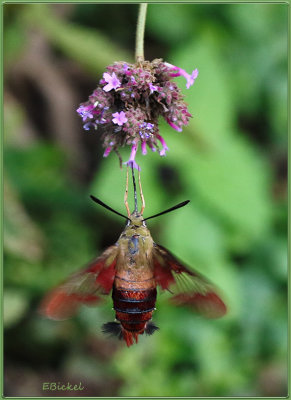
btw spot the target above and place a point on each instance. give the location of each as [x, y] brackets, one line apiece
[181, 19]
[29, 246]
[15, 306]
[210, 99]
[89, 47]
[230, 180]
[14, 41]
[233, 180]
[192, 235]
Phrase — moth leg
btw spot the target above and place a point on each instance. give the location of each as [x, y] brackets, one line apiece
[141, 194]
[126, 194]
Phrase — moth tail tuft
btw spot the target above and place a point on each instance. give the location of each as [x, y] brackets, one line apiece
[113, 329]
[151, 328]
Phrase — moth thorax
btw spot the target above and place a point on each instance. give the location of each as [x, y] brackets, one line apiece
[136, 219]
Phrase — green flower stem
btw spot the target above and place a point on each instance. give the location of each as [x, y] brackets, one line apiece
[139, 52]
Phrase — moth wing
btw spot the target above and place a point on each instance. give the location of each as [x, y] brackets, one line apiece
[188, 287]
[84, 287]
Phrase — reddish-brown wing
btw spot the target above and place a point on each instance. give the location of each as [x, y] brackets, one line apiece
[188, 287]
[83, 287]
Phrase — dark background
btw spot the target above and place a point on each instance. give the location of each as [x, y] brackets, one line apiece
[231, 162]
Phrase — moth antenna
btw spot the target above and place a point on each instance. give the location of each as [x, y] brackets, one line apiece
[169, 209]
[98, 201]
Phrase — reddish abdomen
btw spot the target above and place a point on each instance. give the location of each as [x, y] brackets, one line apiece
[134, 307]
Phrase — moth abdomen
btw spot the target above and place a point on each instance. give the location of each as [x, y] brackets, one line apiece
[134, 308]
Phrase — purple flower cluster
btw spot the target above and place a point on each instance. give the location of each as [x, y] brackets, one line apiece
[128, 102]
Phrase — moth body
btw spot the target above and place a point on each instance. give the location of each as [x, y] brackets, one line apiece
[131, 270]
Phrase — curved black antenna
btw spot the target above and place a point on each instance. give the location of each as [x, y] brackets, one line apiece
[134, 189]
[106, 206]
[169, 209]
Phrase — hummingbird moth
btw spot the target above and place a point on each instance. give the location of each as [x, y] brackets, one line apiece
[131, 270]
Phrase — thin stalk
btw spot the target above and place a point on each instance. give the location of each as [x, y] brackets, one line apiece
[134, 190]
[139, 43]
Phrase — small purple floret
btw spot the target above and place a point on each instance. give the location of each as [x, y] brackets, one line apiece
[87, 126]
[131, 162]
[153, 88]
[85, 111]
[107, 151]
[119, 118]
[152, 147]
[191, 78]
[174, 126]
[113, 82]
[164, 144]
[181, 72]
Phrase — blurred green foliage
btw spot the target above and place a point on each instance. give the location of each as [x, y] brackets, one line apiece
[230, 162]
